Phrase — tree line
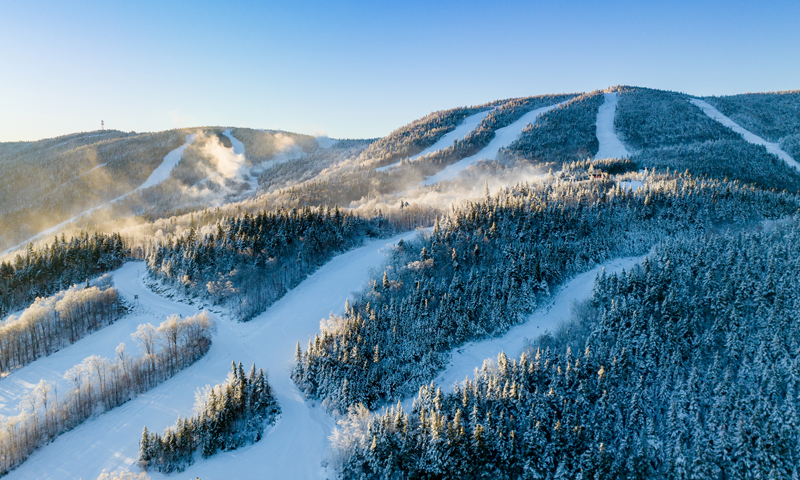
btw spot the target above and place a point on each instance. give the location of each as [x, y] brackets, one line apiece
[100, 384]
[40, 272]
[685, 367]
[231, 415]
[250, 261]
[55, 322]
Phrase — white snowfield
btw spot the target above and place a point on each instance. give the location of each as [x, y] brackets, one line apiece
[470, 357]
[610, 144]
[159, 175]
[502, 137]
[294, 448]
[749, 136]
[462, 130]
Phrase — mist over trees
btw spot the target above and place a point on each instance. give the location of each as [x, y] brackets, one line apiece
[46, 182]
[685, 367]
[488, 263]
[101, 384]
[40, 272]
[229, 416]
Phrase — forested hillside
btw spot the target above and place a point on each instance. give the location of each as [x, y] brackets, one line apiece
[669, 132]
[562, 135]
[685, 367]
[43, 183]
[488, 263]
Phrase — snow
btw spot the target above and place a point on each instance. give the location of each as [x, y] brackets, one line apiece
[462, 130]
[159, 175]
[749, 136]
[471, 356]
[170, 161]
[502, 137]
[610, 145]
[293, 448]
[631, 184]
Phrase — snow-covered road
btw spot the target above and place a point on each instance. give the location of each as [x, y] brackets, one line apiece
[462, 130]
[546, 318]
[293, 448]
[502, 137]
[749, 136]
[610, 144]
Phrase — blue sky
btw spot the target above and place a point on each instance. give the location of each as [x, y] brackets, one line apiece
[362, 69]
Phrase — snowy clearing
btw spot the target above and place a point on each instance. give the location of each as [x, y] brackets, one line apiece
[462, 130]
[293, 448]
[634, 185]
[749, 136]
[545, 319]
[502, 137]
[610, 144]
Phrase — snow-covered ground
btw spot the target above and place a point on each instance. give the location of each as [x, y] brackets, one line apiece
[749, 136]
[502, 137]
[610, 145]
[545, 319]
[462, 130]
[293, 448]
[162, 172]
[159, 175]
[631, 184]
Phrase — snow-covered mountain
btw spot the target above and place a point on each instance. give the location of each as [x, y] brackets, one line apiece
[516, 243]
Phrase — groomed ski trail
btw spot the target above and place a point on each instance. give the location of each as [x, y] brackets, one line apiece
[610, 144]
[293, 448]
[748, 136]
[157, 176]
[502, 137]
[462, 130]
[466, 359]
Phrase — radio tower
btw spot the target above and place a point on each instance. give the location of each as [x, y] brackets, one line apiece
[102, 125]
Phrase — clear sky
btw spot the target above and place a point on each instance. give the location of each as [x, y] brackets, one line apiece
[362, 69]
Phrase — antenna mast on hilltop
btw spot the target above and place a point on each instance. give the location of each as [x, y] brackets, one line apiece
[102, 125]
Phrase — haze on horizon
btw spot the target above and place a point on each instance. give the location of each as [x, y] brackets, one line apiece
[362, 69]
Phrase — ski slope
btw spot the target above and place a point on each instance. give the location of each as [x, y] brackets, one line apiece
[462, 130]
[502, 137]
[157, 176]
[293, 448]
[610, 144]
[471, 356]
[748, 136]
[162, 172]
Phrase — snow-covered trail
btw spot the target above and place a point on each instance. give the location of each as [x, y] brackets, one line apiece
[462, 130]
[610, 144]
[502, 137]
[748, 136]
[239, 155]
[471, 356]
[293, 448]
[157, 176]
